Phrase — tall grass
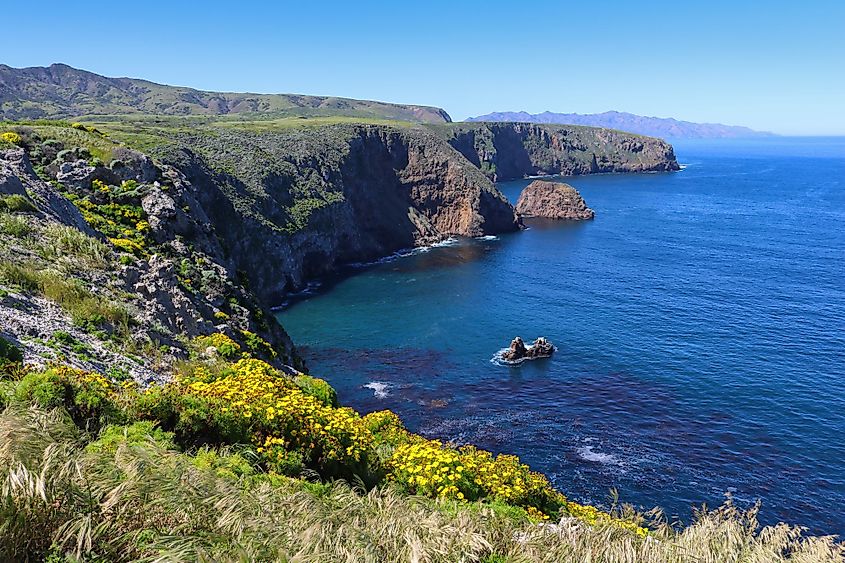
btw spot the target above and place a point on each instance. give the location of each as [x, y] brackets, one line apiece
[61, 241]
[85, 308]
[141, 501]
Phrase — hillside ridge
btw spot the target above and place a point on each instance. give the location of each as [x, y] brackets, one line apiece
[61, 91]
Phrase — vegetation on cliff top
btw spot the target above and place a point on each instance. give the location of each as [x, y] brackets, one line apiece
[234, 460]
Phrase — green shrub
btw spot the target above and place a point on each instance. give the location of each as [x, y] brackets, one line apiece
[14, 225]
[88, 397]
[9, 352]
[44, 389]
[16, 203]
[225, 464]
[290, 463]
[317, 388]
[135, 434]
[257, 345]
[225, 346]
[195, 421]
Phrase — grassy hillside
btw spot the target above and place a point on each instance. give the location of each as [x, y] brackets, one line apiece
[60, 91]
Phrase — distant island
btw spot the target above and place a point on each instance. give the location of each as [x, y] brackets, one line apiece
[664, 127]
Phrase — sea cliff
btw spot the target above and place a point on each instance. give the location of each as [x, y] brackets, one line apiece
[507, 151]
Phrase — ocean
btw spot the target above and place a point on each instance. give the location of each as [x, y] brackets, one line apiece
[699, 321]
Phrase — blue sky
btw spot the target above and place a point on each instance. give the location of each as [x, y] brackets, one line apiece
[777, 66]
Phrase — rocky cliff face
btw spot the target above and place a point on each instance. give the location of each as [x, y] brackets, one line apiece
[291, 206]
[507, 151]
[214, 230]
[115, 267]
[552, 200]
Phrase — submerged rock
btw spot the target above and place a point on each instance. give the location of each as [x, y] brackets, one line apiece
[553, 200]
[518, 351]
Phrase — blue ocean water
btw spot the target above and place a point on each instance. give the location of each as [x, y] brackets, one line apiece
[700, 322]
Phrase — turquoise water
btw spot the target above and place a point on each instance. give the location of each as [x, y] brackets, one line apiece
[700, 322]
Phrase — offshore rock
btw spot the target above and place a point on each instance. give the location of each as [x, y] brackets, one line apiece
[553, 200]
[518, 351]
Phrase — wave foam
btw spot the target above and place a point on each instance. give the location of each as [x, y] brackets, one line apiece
[586, 453]
[379, 389]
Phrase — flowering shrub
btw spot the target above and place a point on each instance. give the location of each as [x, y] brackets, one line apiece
[127, 245]
[282, 418]
[119, 221]
[88, 396]
[10, 137]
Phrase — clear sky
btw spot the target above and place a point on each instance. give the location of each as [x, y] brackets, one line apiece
[769, 65]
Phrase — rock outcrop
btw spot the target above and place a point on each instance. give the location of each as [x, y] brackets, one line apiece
[508, 151]
[184, 285]
[518, 351]
[552, 200]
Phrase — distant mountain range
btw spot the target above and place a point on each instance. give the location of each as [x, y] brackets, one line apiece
[60, 91]
[652, 126]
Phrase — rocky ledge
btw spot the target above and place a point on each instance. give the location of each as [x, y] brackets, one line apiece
[553, 200]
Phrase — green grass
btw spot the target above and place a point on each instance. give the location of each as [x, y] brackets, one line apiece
[16, 203]
[86, 309]
[61, 241]
[14, 225]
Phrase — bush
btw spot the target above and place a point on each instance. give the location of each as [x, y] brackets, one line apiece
[225, 346]
[257, 345]
[9, 352]
[224, 464]
[90, 398]
[317, 388]
[16, 203]
[14, 225]
[135, 434]
[11, 138]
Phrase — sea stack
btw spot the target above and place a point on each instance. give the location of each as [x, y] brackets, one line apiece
[518, 351]
[552, 200]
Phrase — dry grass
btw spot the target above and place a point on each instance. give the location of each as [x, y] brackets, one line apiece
[146, 503]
